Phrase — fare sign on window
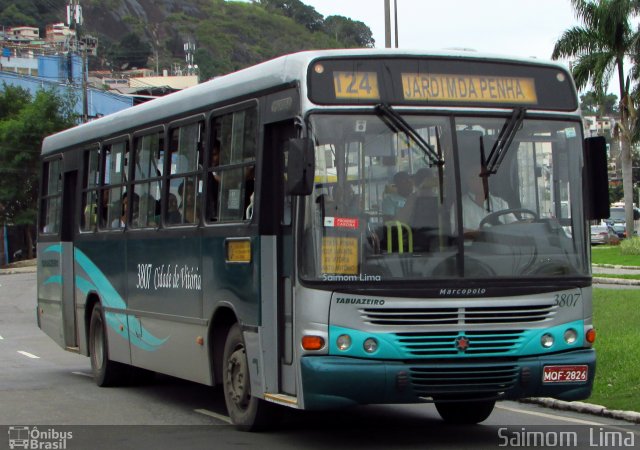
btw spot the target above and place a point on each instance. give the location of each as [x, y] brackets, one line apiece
[356, 85]
[340, 255]
[468, 88]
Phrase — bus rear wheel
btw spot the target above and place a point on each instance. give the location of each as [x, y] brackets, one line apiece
[105, 371]
[468, 412]
[248, 413]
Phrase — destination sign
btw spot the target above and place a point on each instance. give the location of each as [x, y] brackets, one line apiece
[356, 85]
[466, 88]
[440, 81]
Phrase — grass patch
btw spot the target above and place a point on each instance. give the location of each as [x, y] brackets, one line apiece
[616, 316]
[630, 246]
[607, 254]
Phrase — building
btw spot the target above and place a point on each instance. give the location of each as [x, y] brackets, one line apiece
[24, 35]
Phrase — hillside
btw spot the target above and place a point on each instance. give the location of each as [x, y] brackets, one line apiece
[228, 35]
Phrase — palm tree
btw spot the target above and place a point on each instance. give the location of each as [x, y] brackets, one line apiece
[600, 47]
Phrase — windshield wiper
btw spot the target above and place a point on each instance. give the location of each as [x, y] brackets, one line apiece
[490, 165]
[397, 123]
[505, 137]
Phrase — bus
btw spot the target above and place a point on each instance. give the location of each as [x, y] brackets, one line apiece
[333, 228]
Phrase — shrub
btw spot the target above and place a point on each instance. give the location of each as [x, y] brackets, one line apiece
[630, 246]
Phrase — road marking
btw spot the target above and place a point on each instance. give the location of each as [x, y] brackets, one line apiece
[222, 417]
[89, 375]
[550, 416]
[28, 355]
[1, 338]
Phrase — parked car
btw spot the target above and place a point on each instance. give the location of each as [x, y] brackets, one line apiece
[620, 229]
[604, 234]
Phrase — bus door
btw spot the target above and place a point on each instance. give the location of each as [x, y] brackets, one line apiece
[277, 238]
[56, 293]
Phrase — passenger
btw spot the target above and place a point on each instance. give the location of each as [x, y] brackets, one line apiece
[188, 204]
[122, 220]
[173, 214]
[396, 198]
[425, 181]
[213, 182]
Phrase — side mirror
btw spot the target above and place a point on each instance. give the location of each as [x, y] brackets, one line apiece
[300, 163]
[596, 182]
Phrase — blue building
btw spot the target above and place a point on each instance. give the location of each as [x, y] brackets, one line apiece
[52, 73]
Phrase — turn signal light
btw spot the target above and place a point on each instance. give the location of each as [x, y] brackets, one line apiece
[312, 342]
[591, 336]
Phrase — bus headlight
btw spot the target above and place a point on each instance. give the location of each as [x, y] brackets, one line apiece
[570, 336]
[546, 340]
[370, 345]
[343, 342]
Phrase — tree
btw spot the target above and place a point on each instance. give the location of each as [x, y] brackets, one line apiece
[303, 14]
[606, 105]
[600, 47]
[24, 122]
[351, 32]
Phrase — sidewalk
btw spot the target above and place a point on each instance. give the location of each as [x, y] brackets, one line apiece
[20, 267]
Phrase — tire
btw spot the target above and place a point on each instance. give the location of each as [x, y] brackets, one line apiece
[247, 413]
[470, 412]
[105, 372]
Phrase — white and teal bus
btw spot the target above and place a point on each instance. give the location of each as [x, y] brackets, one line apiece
[333, 228]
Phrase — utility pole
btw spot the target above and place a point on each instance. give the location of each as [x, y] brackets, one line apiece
[387, 24]
[395, 18]
[75, 21]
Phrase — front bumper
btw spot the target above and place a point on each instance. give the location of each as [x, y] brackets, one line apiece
[336, 381]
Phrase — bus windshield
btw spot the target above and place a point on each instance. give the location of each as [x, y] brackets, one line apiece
[388, 205]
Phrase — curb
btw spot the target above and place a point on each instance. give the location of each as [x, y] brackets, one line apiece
[603, 280]
[18, 270]
[585, 408]
[616, 266]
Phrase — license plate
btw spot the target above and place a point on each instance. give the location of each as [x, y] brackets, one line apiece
[565, 374]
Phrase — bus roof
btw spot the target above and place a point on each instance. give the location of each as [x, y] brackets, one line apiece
[276, 72]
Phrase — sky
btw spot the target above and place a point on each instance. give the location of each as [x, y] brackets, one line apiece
[522, 28]
[507, 27]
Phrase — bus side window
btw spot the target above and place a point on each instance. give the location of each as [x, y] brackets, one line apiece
[114, 181]
[148, 160]
[231, 173]
[91, 183]
[51, 197]
[185, 181]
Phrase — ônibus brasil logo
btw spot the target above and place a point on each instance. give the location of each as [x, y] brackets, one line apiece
[33, 438]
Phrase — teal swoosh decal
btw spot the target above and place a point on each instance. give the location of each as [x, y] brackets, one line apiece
[55, 279]
[120, 323]
[84, 285]
[55, 248]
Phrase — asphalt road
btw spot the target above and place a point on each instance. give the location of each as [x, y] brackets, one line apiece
[44, 387]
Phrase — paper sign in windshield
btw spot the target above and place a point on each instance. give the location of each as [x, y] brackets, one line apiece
[341, 222]
[340, 255]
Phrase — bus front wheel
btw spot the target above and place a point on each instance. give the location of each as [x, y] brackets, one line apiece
[470, 412]
[105, 371]
[248, 413]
